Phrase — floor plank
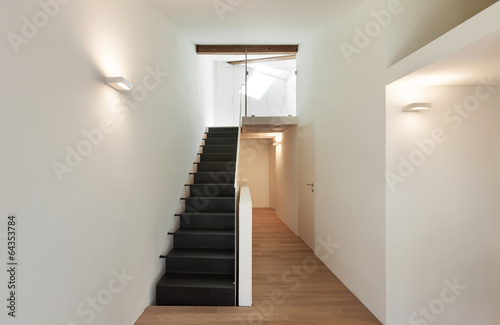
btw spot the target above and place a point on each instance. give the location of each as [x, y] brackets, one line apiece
[290, 286]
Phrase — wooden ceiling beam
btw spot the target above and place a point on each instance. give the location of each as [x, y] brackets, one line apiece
[273, 59]
[252, 49]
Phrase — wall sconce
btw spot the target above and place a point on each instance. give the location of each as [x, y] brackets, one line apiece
[416, 107]
[119, 83]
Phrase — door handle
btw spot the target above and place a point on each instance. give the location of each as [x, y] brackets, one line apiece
[312, 184]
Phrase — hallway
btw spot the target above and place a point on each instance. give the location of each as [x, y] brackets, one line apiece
[291, 286]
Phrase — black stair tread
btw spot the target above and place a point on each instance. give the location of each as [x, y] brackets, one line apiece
[232, 140]
[211, 213]
[221, 141]
[210, 160]
[201, 253]
[222, 161]
[214, 174]
[210, 173]
[211, 184]
[210, 197]
[229, 155]
[219, 145]
[225, 148]
[197, 280]
[222, 130]
[215, 131]
[217, 153]
[215, 162]
[207, 214]
[204, 231]
[230, 163]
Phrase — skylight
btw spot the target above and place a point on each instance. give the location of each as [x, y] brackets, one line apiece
[261, 80]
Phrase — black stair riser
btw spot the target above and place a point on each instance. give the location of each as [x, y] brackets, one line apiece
[188, 296]
[220, 149]
[220, 142]
[204, 241]
[207, 221]
[220, 135]
[214, 177]
[229, 129]
[209, 204]
[216, 167]
[218, 157]
[200, 265]
[212, 190]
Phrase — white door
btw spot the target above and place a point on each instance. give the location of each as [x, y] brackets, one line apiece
[306, 185]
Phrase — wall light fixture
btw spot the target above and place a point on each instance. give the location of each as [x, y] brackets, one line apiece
[416, 107]
[119, 83]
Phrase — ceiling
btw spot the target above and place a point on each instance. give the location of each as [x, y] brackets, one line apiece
[252, 22]
[278, 22]
[474, 64]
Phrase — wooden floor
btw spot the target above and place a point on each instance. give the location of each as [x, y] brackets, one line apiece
[290, 286]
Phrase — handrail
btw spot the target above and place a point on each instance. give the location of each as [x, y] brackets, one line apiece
[236, 209]
[240, 121]
[243, 241]
[236, 170]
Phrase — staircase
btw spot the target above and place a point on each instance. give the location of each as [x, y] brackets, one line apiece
[201, 266]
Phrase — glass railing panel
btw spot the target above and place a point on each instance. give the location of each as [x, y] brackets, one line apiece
[272, 88]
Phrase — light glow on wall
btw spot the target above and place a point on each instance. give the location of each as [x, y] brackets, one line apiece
[433, 79]
[278, 137]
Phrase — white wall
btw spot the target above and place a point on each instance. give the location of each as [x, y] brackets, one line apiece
[442, 214]
[421, 22]
[112, 212]
[228, 100]
[286, 182]
[272, 177]
[206, 77]
[341, 87]
[346, 100]
[255, 167]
